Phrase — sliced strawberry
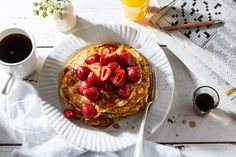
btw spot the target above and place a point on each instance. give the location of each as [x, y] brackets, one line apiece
[118, 68]
[111, 56]
[84, 85]
[123, 91]
[93, 79]
[118, 77]
[88, 110]
[92, 58]
[103, 60]
[133, 73]
[104, 50]
[95, 68]
[112, 47]
[113, 65]
[92, 93]
[126, 58]
[107, 54]
[105, 73]
[82, 72]
[69, 113]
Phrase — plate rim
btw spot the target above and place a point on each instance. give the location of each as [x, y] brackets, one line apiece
[111, 25]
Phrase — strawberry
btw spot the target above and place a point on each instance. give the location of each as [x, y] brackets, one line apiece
[92, 58]
[95, 68]
[134, 73]
[113, 65]
[111, 56]
[123, 91]
[107, 55]
[88, 110]
[112, 47]
[69, 113]
[92, 93]
[93, 79]
[84, 85]
[103, 60]
[126, 58]
[104, 50]
[105, 73]
[82, 72]
[118, 77]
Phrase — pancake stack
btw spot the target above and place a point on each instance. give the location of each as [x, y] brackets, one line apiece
[103, 83]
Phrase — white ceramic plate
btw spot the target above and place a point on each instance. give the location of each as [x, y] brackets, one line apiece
[109, 139]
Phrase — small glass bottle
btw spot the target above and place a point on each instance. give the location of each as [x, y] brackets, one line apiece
[67, 21]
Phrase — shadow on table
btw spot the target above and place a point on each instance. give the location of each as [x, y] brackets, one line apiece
[220, 114]
[189, 87]
[80, 23]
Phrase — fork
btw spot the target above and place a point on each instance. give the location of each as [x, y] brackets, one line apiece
[151, 98]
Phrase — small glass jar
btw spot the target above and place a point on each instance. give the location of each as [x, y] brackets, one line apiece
[205, 99]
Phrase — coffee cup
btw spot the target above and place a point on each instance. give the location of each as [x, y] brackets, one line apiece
[18, 55]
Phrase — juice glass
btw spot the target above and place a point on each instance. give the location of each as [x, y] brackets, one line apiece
[135, 9]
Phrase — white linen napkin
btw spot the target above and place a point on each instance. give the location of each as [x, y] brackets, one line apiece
[22, 105]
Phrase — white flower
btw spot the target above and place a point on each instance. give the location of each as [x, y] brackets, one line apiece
[56, 8]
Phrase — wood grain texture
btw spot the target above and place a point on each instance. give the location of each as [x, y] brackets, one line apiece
[5, 151]
[208, 150]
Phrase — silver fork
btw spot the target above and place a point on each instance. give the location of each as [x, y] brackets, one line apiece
[151, 98]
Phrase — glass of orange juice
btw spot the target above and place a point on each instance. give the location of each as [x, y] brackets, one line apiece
[135, 9]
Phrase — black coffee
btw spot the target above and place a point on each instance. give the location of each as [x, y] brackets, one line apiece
[15, 48]
[205, 102]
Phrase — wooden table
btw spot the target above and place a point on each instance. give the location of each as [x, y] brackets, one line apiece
[214, 135]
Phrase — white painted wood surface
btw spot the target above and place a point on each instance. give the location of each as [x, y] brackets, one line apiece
[5, 151]
[217, 127]
[208, 129]
[207, 150]
[187, 150]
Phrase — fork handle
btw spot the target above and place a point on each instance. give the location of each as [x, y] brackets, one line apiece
[138, 147]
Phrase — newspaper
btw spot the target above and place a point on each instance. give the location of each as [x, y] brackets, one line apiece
[212, 47]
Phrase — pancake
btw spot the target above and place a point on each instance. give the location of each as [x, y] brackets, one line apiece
[113, 97]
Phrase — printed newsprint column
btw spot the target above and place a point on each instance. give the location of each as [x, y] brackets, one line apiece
[214, 46]
[216, 43]
[222, 45]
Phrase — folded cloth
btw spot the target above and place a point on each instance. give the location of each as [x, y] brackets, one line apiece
[22, 105]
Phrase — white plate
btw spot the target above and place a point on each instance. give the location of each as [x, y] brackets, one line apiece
[109, 139]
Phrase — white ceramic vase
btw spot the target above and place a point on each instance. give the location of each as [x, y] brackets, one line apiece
[67, 21]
